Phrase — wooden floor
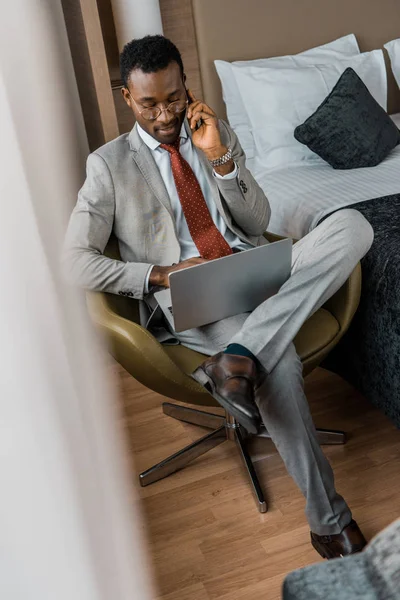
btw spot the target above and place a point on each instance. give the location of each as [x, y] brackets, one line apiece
[206, 539]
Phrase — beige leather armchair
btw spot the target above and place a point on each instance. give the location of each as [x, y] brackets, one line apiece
[166, 370]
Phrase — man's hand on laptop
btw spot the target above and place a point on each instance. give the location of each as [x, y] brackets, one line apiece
[159, 275]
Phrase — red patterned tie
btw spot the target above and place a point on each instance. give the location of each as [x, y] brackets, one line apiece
[208, 239]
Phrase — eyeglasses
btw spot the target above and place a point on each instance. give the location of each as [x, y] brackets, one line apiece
[151, 114]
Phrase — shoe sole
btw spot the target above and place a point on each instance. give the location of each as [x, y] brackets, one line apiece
[201, 377]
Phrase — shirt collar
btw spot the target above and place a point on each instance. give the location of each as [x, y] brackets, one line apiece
[152, 142]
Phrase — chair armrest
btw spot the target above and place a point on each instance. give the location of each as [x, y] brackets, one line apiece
[140, 353]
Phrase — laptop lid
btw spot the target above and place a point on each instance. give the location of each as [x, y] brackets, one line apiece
[228, 286]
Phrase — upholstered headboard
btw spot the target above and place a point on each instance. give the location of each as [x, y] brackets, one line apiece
[246, 29]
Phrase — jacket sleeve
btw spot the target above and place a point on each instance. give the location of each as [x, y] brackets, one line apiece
[245, 199]
[88, 232]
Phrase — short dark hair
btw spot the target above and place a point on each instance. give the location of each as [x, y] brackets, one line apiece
[150, 54]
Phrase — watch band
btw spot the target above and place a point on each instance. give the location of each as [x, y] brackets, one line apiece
[222, 160]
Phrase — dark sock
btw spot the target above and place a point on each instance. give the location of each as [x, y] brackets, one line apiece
[240, 351]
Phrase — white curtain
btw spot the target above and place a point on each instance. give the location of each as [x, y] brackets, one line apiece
[135, 19]
[70, 528]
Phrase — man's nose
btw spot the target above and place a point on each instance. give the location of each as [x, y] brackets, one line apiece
[165, 116]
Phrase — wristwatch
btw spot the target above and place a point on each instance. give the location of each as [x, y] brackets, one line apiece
[222, 160]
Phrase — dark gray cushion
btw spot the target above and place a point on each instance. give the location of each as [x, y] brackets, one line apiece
[349, 129]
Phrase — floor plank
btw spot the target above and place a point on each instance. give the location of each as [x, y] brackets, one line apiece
[206, 538]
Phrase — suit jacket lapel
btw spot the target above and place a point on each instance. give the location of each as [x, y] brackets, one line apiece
[144, 160]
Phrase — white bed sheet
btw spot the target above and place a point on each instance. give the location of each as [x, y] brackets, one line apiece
[301, 196]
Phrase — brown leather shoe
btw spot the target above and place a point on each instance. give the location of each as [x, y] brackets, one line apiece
[349, 541]
[232, 381]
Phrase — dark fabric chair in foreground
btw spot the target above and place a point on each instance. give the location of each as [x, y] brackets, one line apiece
[374, 574]
[166, 369]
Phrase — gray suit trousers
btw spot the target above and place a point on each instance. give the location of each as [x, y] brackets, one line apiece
[322, 261]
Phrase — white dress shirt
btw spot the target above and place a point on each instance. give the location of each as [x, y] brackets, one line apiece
[163, 162]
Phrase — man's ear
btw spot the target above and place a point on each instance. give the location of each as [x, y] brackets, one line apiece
[126, 96]
[184, 79]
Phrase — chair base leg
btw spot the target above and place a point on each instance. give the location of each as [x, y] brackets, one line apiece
[325, 436]
[331, 437]
[255, 484]
[224, 429]
[193, 416]
[180, 459]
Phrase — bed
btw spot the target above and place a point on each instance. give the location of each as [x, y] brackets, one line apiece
[302, 196]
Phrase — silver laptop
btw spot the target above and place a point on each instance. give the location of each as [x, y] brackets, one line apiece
[226, 286]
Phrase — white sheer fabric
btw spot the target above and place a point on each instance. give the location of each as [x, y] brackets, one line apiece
[69, 529]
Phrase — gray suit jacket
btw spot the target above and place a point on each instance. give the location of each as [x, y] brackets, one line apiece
[124, 194]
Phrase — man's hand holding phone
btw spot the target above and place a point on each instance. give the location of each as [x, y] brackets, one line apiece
[206, 136]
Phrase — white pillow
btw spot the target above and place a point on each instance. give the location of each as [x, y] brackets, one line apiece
[237, 116]
[393, 49]
[279, 100]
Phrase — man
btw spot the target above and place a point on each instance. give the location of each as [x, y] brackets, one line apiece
[175, 191]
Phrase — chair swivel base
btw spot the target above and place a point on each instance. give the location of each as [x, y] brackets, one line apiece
[223, 428]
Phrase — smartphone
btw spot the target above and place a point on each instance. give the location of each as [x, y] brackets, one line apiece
[199, 122]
